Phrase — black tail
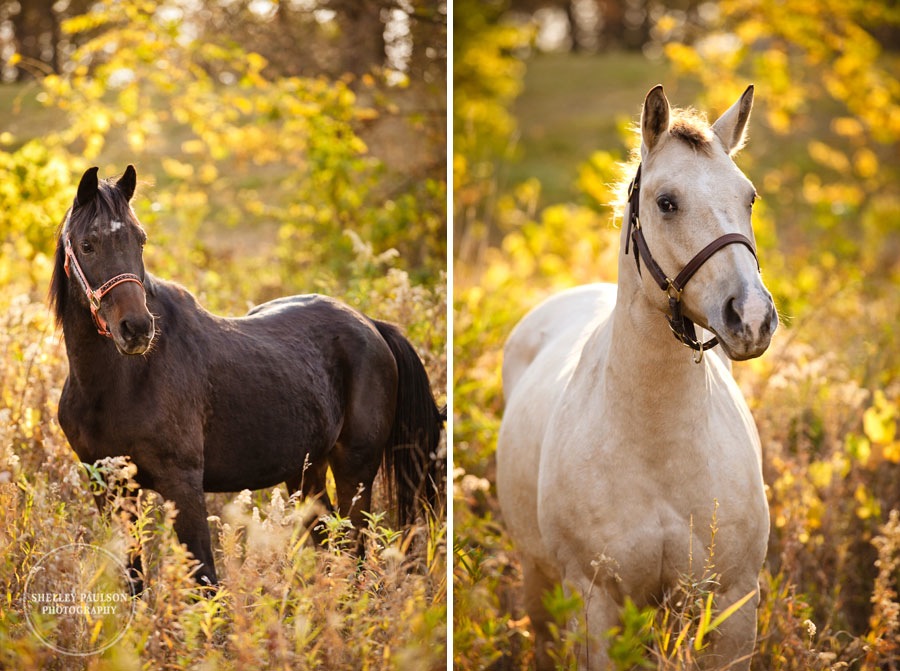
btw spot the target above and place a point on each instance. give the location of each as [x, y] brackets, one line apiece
[415, 471]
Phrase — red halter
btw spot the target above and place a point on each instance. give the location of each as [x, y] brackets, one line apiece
[95, 296]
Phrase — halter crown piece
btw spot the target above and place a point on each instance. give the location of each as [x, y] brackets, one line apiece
[682, 327]
[94, 296]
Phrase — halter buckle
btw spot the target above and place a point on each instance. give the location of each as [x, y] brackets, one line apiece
[673, 292]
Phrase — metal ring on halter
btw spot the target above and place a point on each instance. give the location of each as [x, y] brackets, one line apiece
[670, 287]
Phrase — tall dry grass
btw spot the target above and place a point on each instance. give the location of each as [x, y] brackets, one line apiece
[282, 603]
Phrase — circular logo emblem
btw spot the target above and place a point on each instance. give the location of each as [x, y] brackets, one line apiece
[77, 599]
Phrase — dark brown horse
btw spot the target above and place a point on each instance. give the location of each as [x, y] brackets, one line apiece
[206, 404]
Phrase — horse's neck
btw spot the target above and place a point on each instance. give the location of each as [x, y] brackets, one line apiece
[94, 361]
[651, 378]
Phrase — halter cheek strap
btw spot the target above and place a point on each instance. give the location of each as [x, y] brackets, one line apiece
[682, 327]
[94, 296]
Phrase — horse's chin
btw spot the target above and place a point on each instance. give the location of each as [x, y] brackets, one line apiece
[134, 348]
[739, 349]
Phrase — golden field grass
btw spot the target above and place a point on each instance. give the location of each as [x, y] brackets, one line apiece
[825, 396]
[282, 603]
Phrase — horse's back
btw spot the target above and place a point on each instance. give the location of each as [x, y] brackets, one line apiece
[305, 311]
[286, 382]
[559, 318]
[539, 358]
[287, 303]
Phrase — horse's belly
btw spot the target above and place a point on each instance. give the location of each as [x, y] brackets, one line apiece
[251, 454]
[250, 475]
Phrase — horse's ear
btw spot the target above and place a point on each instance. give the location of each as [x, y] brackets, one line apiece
[654, 119]
[731, 127]
[127, 182]
[87, 187]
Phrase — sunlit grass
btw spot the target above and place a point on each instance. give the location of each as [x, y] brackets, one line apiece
[282, 601]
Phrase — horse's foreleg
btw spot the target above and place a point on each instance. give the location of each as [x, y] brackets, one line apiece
[103, 499]
[185, 490]
[536, 585]
[601, 613]
[733, 641]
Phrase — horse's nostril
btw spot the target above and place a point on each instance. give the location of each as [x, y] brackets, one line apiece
[732, 316]
[136, 328]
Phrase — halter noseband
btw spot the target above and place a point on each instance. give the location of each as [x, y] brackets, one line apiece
[95, 296]
[682, 327]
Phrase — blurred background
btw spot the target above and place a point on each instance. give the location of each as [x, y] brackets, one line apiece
[306, 118]
[281, 147]
[546, 95]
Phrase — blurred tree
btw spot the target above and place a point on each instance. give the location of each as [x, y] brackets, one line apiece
[361, 42]
[487, 76]
[32, 30]
[828, 90]
[428, 57]
[392, 55]
[36, 31]
[234, 143]
[597, 25]
[331, 37]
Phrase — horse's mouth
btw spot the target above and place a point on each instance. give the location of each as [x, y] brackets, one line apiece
[742, 354]
[134, 350]
[134, 346]
[740, 346]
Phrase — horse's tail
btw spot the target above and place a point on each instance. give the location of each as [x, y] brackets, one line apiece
[414, 470]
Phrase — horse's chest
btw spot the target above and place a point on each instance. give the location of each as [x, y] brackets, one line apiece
[101, 424]
[647, 507]
[82, 420]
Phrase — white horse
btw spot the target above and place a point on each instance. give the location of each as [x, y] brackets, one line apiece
[617, 449]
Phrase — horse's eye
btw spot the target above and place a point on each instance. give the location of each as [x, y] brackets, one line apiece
[87, 247]
[667, 204]
[753, 200]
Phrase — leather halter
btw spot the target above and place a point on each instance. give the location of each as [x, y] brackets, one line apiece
[94, 296]
[682, 327]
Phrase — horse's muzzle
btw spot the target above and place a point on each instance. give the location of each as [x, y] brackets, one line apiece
[746, 324]
[134, 334]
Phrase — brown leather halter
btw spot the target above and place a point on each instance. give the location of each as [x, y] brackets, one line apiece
[95, 296]
[682, 327]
